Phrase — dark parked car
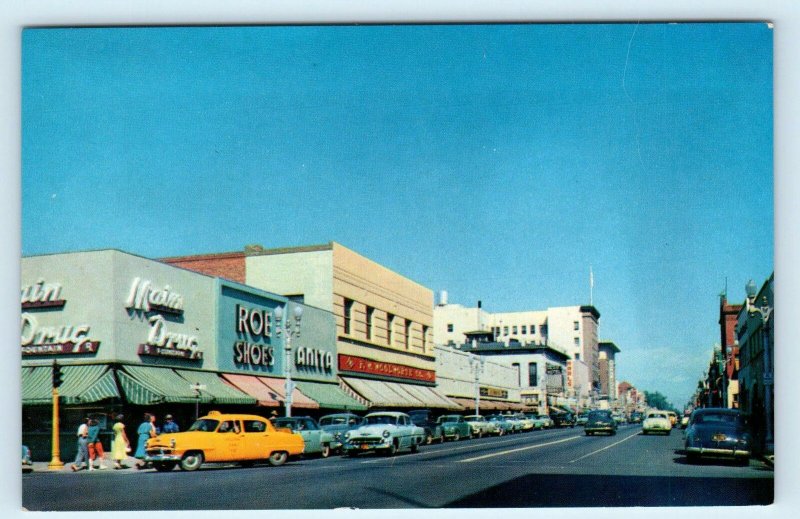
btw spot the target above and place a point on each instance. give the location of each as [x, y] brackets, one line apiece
[636, 417]
[424, 418]
[600, 421]
[563, 419]
[717, 432]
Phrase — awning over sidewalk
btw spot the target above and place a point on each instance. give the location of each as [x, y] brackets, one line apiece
[299, 400]
[329, 396]
[145, 385]
[221, 392]
[393, 394]
[250, 384]
[82, 384]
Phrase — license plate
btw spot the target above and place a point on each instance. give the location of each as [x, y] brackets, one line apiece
[364, 446]
[719, 438]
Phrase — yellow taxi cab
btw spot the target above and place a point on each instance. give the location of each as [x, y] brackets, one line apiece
[219, 437]
[673, 418]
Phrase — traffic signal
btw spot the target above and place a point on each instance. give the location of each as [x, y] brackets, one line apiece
[57, 375]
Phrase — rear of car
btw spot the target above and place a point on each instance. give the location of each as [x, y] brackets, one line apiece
[656, 422]
[600, 422]
[718, 433]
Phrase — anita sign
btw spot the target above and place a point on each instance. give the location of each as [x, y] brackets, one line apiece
[41, 295]
[55, 340]
[163, 343]
[312, 358]
[144, 297]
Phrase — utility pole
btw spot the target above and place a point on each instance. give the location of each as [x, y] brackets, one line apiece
[55, 461]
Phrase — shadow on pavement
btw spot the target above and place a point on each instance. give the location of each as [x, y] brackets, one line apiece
[549, 490]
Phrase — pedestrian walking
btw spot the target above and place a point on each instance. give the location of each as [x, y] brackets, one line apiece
[82, 457]
[95, 445]
[169, 425]
[146, 430]
[121, 446]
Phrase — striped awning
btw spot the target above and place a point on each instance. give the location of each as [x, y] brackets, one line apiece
[298, 398]
[82, 384]
[220, 392]
[250, 384]
[329, 396]
[394, 394]
[145, 385]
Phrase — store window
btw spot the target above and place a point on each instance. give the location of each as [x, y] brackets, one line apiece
[348, 315]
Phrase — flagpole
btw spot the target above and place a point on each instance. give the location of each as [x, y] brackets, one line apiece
[591, 287]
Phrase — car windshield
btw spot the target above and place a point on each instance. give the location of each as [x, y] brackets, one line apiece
[597, 416]
[381, 419]
[474, 418]
[448, 418]
[204, 425]
[657, 415]
[287, 423]
[726, 418]
[333, 420]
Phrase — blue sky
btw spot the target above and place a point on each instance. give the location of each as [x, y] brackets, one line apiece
[496, 162]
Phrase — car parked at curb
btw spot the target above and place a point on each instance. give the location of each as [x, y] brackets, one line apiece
[317, 441]
[538, 421]
[600, 421]
[501, 423]
[547, 422]
[582, 418]
[339, 423]
[386, 432]
[480, 426]
[424, 418]
[528, 424]
[718, 433]
[454, 427]
[219, 437]
[656, 422]
[563, 419]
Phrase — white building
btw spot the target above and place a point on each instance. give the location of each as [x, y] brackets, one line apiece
[569, 331]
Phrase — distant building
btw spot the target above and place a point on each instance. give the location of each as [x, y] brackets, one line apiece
[567, 335]
[607, 365]
[728, 314]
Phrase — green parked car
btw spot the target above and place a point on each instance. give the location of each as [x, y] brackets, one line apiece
[317, 441]
[454, 427]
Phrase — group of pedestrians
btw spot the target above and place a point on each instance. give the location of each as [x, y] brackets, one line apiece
[90, 448]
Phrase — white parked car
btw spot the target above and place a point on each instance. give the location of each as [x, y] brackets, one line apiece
[386, 432]
[480, 425]
[656, 422]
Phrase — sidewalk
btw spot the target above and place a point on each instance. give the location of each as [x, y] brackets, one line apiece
[42, 466]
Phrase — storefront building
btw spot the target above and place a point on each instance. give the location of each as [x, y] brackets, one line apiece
[383, 321]
[133, 335]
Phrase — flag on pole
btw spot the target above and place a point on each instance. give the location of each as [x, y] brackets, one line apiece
[591, 285]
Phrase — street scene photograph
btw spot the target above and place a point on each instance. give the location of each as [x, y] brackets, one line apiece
[397, 266]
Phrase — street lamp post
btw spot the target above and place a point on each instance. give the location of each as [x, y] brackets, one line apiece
[197, 388]
[284, 326]
[477, 368]
[764, 312]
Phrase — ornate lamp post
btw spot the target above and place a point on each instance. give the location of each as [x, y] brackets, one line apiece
[477, 365]
[284, 326]
[764, 312]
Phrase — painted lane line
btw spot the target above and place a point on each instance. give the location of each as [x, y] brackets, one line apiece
[426, 451]
[606, 447]
[502, 453]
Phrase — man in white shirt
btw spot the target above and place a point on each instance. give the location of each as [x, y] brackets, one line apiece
[82, 458]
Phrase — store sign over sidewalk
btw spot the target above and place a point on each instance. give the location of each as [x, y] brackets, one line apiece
[41, 295]
[375, 367]
[55, 340]
[163, 343]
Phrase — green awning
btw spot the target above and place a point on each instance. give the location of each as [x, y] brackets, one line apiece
[220, 392]
[329, 395]
[145, 385]
[82, 384]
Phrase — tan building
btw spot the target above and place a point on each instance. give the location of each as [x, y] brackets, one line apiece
[384, 321]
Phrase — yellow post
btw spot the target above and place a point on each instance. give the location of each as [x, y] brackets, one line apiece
[55, 462]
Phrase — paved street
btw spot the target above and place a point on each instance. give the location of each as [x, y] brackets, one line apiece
[541, 468]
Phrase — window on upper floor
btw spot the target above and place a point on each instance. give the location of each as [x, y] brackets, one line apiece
[577, 341]
[577, 325]
[533, 375]
[348, 315]
[407, 337]
[524, 330]
[370, 314]
[505, 330]
[450, 327]
[424, 338]
[514, 330]
[389, 329]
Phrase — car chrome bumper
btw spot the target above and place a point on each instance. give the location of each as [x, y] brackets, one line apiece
[706, 451]
[162, 457]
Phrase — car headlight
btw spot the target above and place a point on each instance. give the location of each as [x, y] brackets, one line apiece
[386, 434]
[347, 435]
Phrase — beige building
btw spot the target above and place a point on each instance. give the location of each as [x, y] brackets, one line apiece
[384, 321]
